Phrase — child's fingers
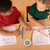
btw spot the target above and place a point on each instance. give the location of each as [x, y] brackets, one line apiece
[18, 33]
[43, 28]
[30, 28]
[26, 29]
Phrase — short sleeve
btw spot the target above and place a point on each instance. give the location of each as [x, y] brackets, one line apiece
[0, 23]
[32, 9]
[18, 14]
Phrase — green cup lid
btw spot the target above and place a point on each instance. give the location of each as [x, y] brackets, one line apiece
[27, 42]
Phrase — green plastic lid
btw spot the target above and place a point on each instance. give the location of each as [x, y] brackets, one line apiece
[27, 42]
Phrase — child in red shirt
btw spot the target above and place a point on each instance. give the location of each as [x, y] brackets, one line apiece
[9, 15]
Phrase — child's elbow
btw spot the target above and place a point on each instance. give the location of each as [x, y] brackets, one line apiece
[29, 18]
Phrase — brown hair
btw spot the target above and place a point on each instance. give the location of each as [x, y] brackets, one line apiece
[47, 2]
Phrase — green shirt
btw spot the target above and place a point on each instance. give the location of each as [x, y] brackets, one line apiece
[38, 15]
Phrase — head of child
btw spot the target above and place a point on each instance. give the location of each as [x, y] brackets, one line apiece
[43, 5]
[6, 7]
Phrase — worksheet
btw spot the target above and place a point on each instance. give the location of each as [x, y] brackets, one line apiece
[40, 39]
[0, 40]
[9, 28]
[7, 40]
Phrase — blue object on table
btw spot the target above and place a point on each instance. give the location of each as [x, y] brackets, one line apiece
[22, 32]
[19, 27]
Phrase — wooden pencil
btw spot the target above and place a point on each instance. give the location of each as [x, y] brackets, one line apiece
[42, 33]
[31, 34]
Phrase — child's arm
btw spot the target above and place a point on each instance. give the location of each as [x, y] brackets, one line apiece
[31, 19]
[25, 25]
[6, 33]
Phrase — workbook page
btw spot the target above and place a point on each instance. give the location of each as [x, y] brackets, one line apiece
[48, 34]
[0, 40]
[9, 28]
[8, 40]
[38, 38]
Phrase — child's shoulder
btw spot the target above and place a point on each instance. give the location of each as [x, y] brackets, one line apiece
[14, 7]
[34, 5]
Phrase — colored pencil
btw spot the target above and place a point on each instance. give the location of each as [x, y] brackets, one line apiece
[31, 34]
[19, 27]
[42, 33]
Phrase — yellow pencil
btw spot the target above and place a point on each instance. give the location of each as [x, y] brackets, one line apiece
[42, 33]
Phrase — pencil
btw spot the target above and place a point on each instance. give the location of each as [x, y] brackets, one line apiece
[31, 35]
[22, 32]
[42, 33]
[19, 27]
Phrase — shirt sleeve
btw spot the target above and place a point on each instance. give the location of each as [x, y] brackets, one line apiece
[18, 14]
[32, 10]
[0, 24]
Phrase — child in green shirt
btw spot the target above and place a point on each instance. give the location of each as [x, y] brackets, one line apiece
[38, 11]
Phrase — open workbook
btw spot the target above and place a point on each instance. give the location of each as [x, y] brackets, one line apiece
[39, 38]
[8, 40]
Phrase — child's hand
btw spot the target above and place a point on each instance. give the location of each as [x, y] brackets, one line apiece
[42, 27]
[28, 27]
[17, 32]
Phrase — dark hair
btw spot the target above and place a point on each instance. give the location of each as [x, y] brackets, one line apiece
[47, 2]
[5, 5]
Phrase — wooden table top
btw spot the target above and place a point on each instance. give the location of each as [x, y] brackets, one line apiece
[27, 35]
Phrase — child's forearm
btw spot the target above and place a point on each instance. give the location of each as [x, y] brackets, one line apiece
[5, 33]
[31, 19]
[21, 21]
[34, 21]
[24, 24]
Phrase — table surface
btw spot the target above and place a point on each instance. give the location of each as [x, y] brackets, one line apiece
[27, 35]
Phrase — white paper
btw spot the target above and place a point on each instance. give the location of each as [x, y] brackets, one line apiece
[0, 40]
[48, 34]
[9, 28]
[8, 40]
[40, 39]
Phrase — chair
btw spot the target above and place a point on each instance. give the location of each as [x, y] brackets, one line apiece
[27, 9]
[22, 15]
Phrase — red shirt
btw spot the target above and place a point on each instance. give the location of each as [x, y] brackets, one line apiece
[11, 19]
